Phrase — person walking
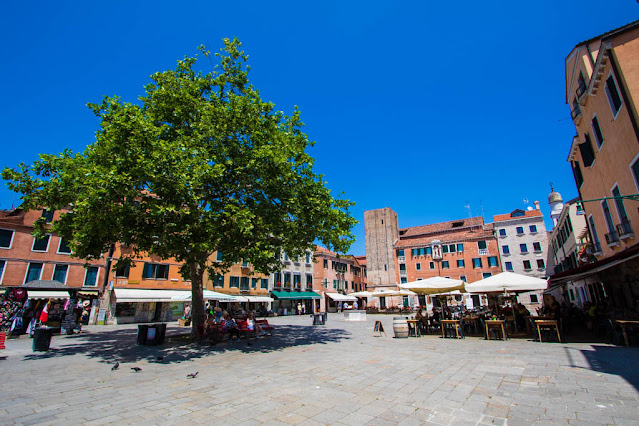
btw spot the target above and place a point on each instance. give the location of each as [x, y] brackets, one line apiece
[299, 308]
[339, 307]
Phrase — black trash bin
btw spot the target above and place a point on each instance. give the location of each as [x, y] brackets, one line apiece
[325, 316]
[318, 319]
[42, 338]
[151, 334]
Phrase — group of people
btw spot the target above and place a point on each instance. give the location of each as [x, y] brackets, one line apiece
[341, 307]
[216, 316]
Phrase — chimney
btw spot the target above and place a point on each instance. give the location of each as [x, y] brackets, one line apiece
[536, 205]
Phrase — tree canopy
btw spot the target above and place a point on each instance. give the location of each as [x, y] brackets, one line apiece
[200, 164]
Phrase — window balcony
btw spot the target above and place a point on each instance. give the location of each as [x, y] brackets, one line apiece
[401, 259]
[403, 273]
[625, 230]
[612, 239]
[576, 114]
[596, 249]
[581, 91]
[483, 252]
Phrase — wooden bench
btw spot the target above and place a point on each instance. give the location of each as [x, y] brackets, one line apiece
[265, 326]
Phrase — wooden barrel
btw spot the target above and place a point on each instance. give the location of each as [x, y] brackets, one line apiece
[400, 327]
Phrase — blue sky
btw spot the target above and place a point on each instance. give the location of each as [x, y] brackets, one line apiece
[417, 106]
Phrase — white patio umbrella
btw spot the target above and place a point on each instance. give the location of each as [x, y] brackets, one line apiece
[434, 285]
[366, 294]
[382, 292]
[507, 282]
[207, 295]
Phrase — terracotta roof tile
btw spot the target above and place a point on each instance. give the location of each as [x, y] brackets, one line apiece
[440, 227]
[508, 216]
[472, 234]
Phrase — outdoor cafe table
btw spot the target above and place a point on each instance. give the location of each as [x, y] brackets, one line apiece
[450, 323]
[624, 328]
[547, 323]
[496, 323]
[413, 325]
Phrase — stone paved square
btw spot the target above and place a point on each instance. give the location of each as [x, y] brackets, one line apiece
[338, 373]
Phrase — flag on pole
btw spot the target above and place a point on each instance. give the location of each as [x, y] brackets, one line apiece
[44, 316]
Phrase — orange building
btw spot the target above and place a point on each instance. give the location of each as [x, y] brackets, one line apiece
[45, 266]
[334, 277]
[602, 83]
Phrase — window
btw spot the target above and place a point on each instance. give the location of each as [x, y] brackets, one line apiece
[481, 245]
[534, 298]
[523, 248]
[309, 280]
[505, 249]
[287, 279]
[502, 232]
[612, 93]
[460, 263]
[596, 130]
[462, 277]
[41, 244]
[2, 263]
[6, 236]
[91, 277]
[48, 215]
[445, 248]
[533, 229]
[403, 280]
[219, 256]
[297, 281]
[485, 275]
[385, 267]
[492, 261]
[244, 264]
[477, 262]
[155, 271]
[537, 247]
[587, 154]
[308, 258]
[400, 252]
[325, 263]
[541, 264]
[452, 248]
[445, 264]
[431, 265]
[122, 271]
[34, 271]
[254, 282]
[460, 247]
[402, 267]
[335, 284]
[621, 209]
[244, 283]
[527, 265]
[264, 283]
[235, 282]
[608, 216]
[218, 280]
[576, 171]
[509, 266]
[520, 230]
[593, 230]
[418, 266]
[60, 273]
[63, 247]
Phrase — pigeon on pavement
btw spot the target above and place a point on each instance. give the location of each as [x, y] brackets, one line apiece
[136, 369]
[115, 366]
[192, 375]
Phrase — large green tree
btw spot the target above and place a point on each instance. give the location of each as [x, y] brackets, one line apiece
[200, 164]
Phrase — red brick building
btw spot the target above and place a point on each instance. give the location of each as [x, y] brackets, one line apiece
[335, 275]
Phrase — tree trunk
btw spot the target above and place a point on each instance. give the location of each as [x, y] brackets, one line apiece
[197, 299]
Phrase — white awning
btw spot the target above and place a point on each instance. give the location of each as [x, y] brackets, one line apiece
[341, 297]
[259, 299]
[48, 294]
[128, 295]
[206, 295]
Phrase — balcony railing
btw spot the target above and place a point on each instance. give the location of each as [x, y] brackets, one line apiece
[612, 238]
[625, 230]
[401, 259]
[581, 90]
[483, 252]
[576, 114]
[402, 273]
[596, 248]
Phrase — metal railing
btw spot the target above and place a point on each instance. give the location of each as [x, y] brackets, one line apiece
[612, 238]
[483, 252]
[624, 229]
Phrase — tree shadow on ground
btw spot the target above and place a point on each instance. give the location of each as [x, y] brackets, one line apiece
[121, 345]
[616, 360]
